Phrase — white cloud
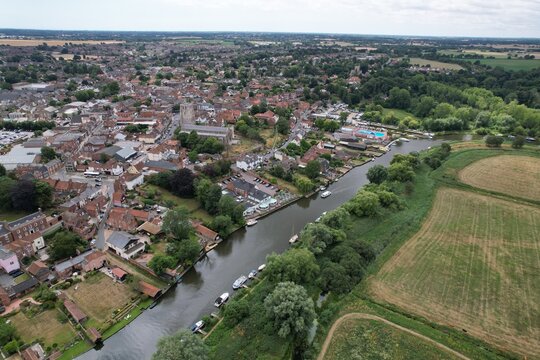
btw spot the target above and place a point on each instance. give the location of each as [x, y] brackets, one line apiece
[516, 18]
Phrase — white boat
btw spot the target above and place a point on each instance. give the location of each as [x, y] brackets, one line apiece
[261, 268]
[404, 139]
[326, 194]
[322, 188]
[252, 274]
[251, 222]
[293, 239]
[197, 326]
[222, 299]
[239, 282]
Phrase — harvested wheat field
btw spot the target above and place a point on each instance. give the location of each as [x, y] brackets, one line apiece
[509, 174]
[473, 265]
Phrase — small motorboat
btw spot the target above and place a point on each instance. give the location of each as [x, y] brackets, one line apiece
[238, 283]
[251, 222]
[197, 326]
[322, 188]
[326, 194]
[222, 299]
[261, 268]
[252, 274]
[293, 239]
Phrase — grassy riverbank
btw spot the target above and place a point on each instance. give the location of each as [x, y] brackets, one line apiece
[386, 233]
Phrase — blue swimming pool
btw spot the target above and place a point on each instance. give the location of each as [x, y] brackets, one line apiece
[372, 133]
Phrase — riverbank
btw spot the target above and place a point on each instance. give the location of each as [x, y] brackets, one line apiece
[243, 251]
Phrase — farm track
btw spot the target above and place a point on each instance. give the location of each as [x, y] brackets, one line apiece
[364, 316]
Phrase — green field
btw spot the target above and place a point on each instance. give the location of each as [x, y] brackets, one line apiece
[509, 64]
[373, 339]
[472, 266]
[400, 114]
[435, 64]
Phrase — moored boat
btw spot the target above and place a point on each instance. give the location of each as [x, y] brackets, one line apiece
[251, 222]
[326, 194]
[293, 239]
[238, 283]
[222, 299]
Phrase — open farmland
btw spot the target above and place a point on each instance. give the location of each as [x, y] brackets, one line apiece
[435, 64]
[51, 42]
[369, 337]
[473, 266]
[513, 175]
[509, 64]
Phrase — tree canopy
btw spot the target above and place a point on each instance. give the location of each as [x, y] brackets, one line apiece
[183, 345]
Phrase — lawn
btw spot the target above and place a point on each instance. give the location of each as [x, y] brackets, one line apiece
[472, 266]
[98, 296]
[43, 326]
[165, 195]
[435, 64]
[373, 339]
[11, 215]
[400, 114]
[513, 175]
[510, 64]
[273, 138]
[135, 271]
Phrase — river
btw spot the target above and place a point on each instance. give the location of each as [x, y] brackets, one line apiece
[244, 251]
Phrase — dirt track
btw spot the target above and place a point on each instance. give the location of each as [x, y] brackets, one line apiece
[377, 318]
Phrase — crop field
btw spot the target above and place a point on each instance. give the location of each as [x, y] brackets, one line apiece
[472, 266]
[99, 296]
[45, 326]
[510, 64]
[357, 338]
[50, 42]
[435, 64]
[513, 175]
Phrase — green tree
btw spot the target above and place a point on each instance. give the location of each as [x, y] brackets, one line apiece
[2, 170]
[47, 154]
[401, 172]
[181, 183]
[364, 203]
[44, 194]
[518, 142]
[64, 244]
[235, 312]
[184, 345]
[494, 141]
[377, 174]
[222, 224]
[6, 186]
[290, 309]
[209, 195]
[176, 223]
[317, 237]
[159, 263]
[336, 219]
[296, 265]
[304, 185]
[313, 169]
[282, 126]
[7, 332]
[186, 251]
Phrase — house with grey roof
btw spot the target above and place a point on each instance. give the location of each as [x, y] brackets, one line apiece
[124, 244]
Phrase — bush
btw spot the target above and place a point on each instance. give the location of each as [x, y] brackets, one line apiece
[234, 312]
[494, 141]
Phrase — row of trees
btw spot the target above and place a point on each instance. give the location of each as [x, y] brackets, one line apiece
[24, 195]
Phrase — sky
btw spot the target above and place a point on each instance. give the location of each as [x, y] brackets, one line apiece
[475, 18]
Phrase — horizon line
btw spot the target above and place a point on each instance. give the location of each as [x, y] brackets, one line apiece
[275, 32]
